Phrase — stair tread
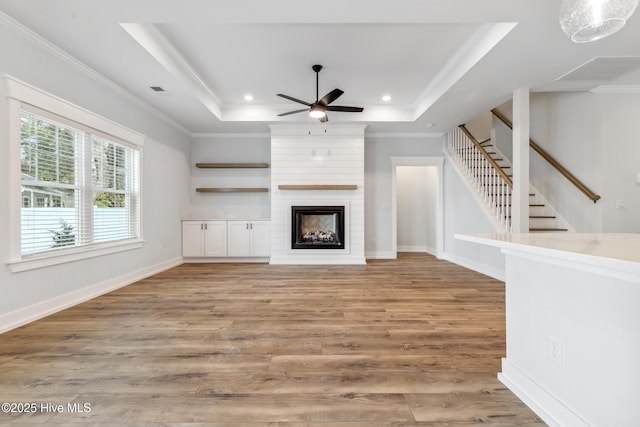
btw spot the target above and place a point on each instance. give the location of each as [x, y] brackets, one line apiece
[540, 216]
[496, 186]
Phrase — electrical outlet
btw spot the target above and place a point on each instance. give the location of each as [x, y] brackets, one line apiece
[555, 350]
[621, 204]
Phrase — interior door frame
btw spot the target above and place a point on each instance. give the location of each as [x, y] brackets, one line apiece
[430, 161]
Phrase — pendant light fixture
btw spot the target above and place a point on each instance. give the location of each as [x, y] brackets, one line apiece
[586, 21]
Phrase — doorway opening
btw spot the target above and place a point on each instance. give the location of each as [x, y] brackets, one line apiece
[417, 205]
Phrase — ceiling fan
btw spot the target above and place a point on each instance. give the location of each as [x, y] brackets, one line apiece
[318, 109]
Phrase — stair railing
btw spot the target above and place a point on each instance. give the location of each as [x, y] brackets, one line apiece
[491, 181]
[553, 162]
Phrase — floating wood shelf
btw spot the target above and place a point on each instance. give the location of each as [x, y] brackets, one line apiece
[231, 190]
[232, 165]
[319, 187]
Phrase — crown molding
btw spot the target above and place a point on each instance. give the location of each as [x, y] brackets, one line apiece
[611, 89]
[229, 135]
[476, 47]
[64, 56]
[404, 135]
[151, 39]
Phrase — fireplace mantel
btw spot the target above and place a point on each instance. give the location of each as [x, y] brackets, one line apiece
[317, 187]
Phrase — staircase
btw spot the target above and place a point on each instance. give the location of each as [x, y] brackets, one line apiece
[489, 173]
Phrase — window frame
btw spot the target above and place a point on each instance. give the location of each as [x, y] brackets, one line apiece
[20, 93]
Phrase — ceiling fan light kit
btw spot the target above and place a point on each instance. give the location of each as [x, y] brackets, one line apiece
[318, 109]
[586, 21]
[316, 112]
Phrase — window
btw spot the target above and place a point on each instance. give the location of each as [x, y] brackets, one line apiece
[73, 208]
[79, 186]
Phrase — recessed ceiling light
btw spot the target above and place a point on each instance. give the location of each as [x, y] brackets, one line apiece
[386, 98]
[248, 97]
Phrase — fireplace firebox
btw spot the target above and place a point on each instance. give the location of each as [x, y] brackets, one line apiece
[317, 227]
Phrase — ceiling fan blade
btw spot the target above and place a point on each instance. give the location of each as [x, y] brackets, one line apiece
[330, 97]
[293, 112]
[345, 109]
[290, 98]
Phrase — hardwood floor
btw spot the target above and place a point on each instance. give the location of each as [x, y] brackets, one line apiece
[414, 341]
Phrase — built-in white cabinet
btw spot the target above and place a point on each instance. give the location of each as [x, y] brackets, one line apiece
[248, 238]
[204, 238]
[219, 238]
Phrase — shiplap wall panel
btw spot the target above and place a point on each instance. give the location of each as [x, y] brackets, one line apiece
[317, 159]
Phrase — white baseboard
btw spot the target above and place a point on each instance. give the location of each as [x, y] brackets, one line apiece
[317, 260]
[222, 260]
[380, 255]
[485, 269]
[541, 401]
[421, 249]
[42, 309]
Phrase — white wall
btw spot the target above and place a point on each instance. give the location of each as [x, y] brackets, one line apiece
[595, 137]
[230, 149]
[590, 310]
[416, 204]
[28, 294]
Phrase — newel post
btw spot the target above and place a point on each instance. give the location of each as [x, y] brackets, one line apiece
[520, 200]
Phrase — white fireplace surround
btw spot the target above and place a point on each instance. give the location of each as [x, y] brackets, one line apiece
[331, 155]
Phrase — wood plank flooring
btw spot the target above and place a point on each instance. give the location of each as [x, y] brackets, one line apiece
[410, 342]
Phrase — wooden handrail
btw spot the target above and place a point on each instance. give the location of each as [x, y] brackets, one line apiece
[553, 162]
[487, 156]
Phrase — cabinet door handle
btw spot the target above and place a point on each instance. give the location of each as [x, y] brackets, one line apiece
[246, 226]
[206, 226]
[251, 226]
[201, 226]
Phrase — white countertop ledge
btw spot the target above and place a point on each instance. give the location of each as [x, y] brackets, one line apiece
[611, 251]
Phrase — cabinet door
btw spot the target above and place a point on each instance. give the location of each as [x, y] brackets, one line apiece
[261, 238]
[192, 238]
[239, 238]
[215, 238]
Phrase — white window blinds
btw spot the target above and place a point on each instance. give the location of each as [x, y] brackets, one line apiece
[79, 187]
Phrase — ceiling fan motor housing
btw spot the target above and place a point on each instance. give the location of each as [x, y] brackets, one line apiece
[318, 109]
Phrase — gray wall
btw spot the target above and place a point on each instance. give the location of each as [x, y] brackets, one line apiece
[378, 175]
[227, 149]
[165, 177]
[595, 136]
[416, 216]
[462, 213]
